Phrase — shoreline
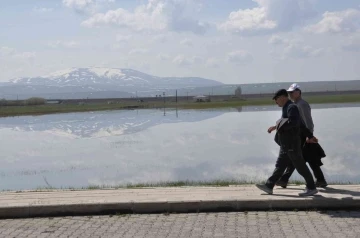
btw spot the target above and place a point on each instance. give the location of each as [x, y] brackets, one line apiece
[12, 111]
[169, 184]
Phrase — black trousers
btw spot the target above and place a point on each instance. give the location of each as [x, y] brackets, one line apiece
[294, 156]
[314, 167]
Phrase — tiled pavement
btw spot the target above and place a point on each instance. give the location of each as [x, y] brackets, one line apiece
[275, 224]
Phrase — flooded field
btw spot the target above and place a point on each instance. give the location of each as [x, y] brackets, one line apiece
[120, 147]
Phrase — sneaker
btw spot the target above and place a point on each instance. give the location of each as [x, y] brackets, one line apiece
[321, 184]
[264, 188]
[282, 184]
[308, 192]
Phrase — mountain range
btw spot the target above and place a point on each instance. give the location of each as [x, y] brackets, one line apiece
[96, 82]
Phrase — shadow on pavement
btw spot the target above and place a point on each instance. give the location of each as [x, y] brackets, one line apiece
[340, 191]
[342, 214]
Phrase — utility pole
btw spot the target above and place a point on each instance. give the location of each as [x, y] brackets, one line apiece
[176, 96]
[164, 102]
[187, 96]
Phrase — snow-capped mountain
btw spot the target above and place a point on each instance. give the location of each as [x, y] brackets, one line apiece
[97, 82]
[112, 76]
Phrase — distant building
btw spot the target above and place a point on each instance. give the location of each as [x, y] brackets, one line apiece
[53, 102]
[201, 98]
[238, 92]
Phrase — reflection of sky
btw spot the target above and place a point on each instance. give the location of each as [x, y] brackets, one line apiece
[201, 145]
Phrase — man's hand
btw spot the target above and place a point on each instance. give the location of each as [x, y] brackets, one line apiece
[272, 128]
[312, 140]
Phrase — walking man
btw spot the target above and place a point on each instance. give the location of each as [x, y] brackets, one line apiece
[313, 160]
[288, 129]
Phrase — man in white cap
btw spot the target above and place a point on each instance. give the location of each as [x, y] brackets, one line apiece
[304, 107]
[305, 113]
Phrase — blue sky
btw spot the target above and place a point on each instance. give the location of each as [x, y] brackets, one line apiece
[239, 41]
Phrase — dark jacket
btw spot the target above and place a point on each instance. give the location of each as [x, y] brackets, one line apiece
[291, 128]
[313, 153]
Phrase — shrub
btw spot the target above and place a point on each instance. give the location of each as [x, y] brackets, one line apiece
[35, 101]
[3, 102]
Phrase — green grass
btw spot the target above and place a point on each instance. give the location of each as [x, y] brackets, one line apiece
[267, 101]
[50, 109]
[231, 103]
[184, 183]
[212, 183]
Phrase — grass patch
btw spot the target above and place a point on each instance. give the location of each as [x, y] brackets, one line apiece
[51, 109]
[184, 183]
[233, 103]
[212, 183]
[323, 99]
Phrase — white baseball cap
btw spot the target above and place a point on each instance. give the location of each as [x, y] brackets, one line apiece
[293, 87]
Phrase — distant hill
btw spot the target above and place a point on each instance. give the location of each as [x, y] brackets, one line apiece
[79, 83]
[97, 83]
[263, 88]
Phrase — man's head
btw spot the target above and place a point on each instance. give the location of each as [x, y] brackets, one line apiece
[281, 97]
[294, 91]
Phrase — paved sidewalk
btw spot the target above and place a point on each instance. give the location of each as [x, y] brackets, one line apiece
[227, 225]
[169, 200]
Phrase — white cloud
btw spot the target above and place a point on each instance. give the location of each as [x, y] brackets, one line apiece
[63, 44]
[337, 22]
[197, 59]
[186, 42]
[239, 57]
[293, 48]
[139, 65]
[269, 16]
[123, 38]
[163, 57]
[352, 44]
[25, 55]
[302, 51]
[187, 61]
[212, 62]
[6, 51]
[277, 40]
[78, 4]
[247, 20]
[42, 9]
[85, 5]
[156, 15]
[138, 51]
[159, 38]
[13, 53]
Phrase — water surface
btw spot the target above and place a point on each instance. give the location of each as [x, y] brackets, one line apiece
[120, 147]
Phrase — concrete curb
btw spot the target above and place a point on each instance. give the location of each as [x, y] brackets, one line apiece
[171, 200]
[176, 207]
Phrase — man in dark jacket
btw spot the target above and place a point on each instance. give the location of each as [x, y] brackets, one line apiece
[289, 129]
[312, 153]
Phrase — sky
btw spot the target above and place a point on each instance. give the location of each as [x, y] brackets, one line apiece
[232, 41]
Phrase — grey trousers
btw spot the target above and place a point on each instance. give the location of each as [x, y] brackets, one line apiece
[295, 156]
